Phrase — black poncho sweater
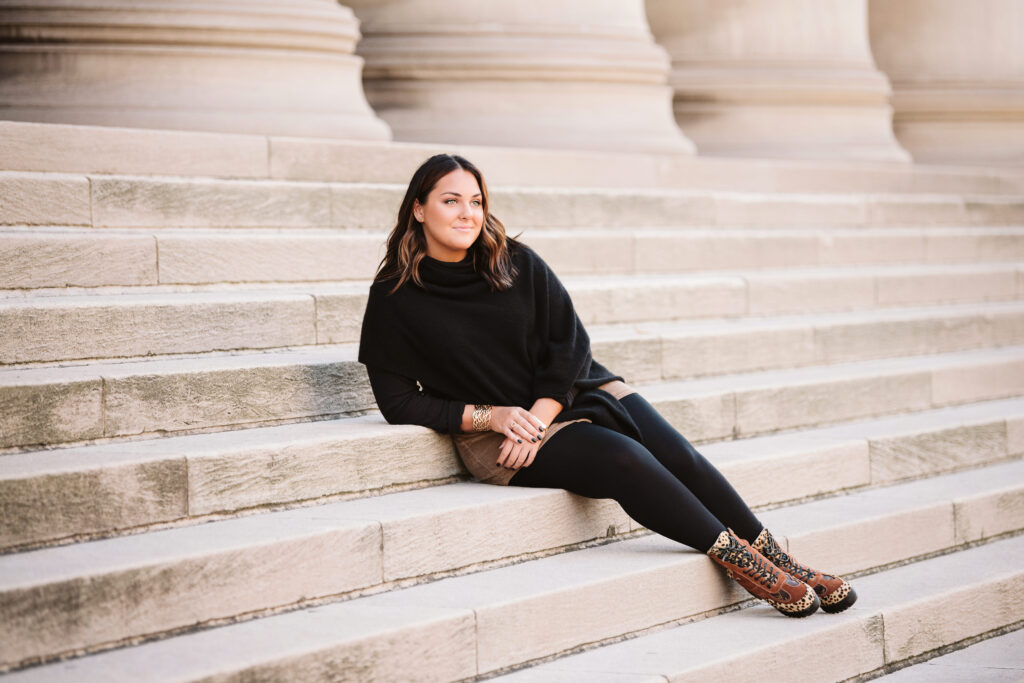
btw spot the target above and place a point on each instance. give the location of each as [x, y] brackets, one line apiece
[466, 344]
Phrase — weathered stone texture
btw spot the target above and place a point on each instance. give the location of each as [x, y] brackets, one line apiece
[51, 199]
[59, 259]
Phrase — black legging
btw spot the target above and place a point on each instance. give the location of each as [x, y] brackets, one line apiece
[663, 483]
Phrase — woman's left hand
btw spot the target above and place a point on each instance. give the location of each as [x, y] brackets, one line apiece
[515, 454]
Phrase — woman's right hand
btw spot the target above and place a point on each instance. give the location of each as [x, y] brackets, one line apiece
[517, 423]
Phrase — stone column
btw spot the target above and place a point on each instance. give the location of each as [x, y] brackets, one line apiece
[581, 74]
[246, 66]
[957, 70]
[776, 78]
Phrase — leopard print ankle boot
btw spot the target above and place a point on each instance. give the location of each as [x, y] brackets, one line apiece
[836, 594]
[761, 578]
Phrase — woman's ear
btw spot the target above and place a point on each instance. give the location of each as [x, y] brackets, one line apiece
[417, 210]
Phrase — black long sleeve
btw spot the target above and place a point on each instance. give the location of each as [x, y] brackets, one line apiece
[401, 402]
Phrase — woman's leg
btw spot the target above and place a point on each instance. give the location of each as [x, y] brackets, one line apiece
[596, 462]
[691, 468]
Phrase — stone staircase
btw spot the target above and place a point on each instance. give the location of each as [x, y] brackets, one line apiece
[195, 486]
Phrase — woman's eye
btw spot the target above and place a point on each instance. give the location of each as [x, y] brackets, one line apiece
[449, 201]
[477, 202]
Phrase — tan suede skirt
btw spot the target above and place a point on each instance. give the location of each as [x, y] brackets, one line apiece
[479, 450]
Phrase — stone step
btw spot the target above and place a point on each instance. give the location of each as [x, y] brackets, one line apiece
[59, 257]
[66, 148]
[520, 612]
[52, 495]
[923, 606]
[995, 660]
[47, 326]
[53, 405]
[120, 201]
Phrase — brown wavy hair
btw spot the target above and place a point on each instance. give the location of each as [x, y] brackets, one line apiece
[407, 246]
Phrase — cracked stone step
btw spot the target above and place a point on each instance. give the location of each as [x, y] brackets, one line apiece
[57, 257]
[915, 602]
[551, 604]
[51, 405]
[50, 327]
[54, 494]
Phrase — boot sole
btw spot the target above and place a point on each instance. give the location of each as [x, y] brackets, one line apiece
[805, 612]
[842, 605]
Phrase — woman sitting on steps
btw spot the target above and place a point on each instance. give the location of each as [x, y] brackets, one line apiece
[467, 331]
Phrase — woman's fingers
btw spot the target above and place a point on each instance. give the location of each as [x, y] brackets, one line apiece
[506, 450]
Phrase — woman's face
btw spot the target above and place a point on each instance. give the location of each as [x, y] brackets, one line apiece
[452, 216]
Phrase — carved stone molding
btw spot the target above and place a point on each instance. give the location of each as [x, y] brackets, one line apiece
[776, 78]
[252, 66]
[570, 74]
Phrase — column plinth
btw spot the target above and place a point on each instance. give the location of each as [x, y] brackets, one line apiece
[776, 78]
[574, 74]
[957, 70]
[250, 66]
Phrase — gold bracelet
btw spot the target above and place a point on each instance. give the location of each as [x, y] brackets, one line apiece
[481, 418]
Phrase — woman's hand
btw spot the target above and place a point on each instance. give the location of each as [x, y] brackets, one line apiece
[517, 424]
[515, 454]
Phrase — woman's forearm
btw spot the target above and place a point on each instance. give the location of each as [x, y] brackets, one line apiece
[546, 409]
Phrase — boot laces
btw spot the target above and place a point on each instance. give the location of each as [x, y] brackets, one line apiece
[750, 563]
[782, 559]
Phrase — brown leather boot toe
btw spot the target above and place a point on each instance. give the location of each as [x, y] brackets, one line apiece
[836, 594]
[761, 578]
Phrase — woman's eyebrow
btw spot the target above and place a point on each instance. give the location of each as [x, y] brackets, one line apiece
[459, 195]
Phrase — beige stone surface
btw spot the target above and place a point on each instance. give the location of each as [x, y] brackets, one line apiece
[1007, 328]
[917, 211]
[99, 149]
[456, 536]
[1008, 211]
[58, 259]
[604, 252]
[911, 288]
[790, 211]
[606, 299]
[637, 359]
[339, 317]
[798, 293]
[63, 598]
[51, 199]
[838, 342]
[701, 417]
[916, 628]
[995, 660]
[914, 455]
[323, 459]
[705, 250]
[871, 247]
[990, 514]
[240, 391]
[201, 257]
[63, 328]
[126, 201]
[1015, 436]
[866, 543]
[812, 467]
[985, 380]
[49, 410]
[109, 494]
[772, 408]
[721, 351]
[589, 612]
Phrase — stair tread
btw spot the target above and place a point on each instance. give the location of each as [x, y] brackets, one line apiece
[690, 648]
[424, 606]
